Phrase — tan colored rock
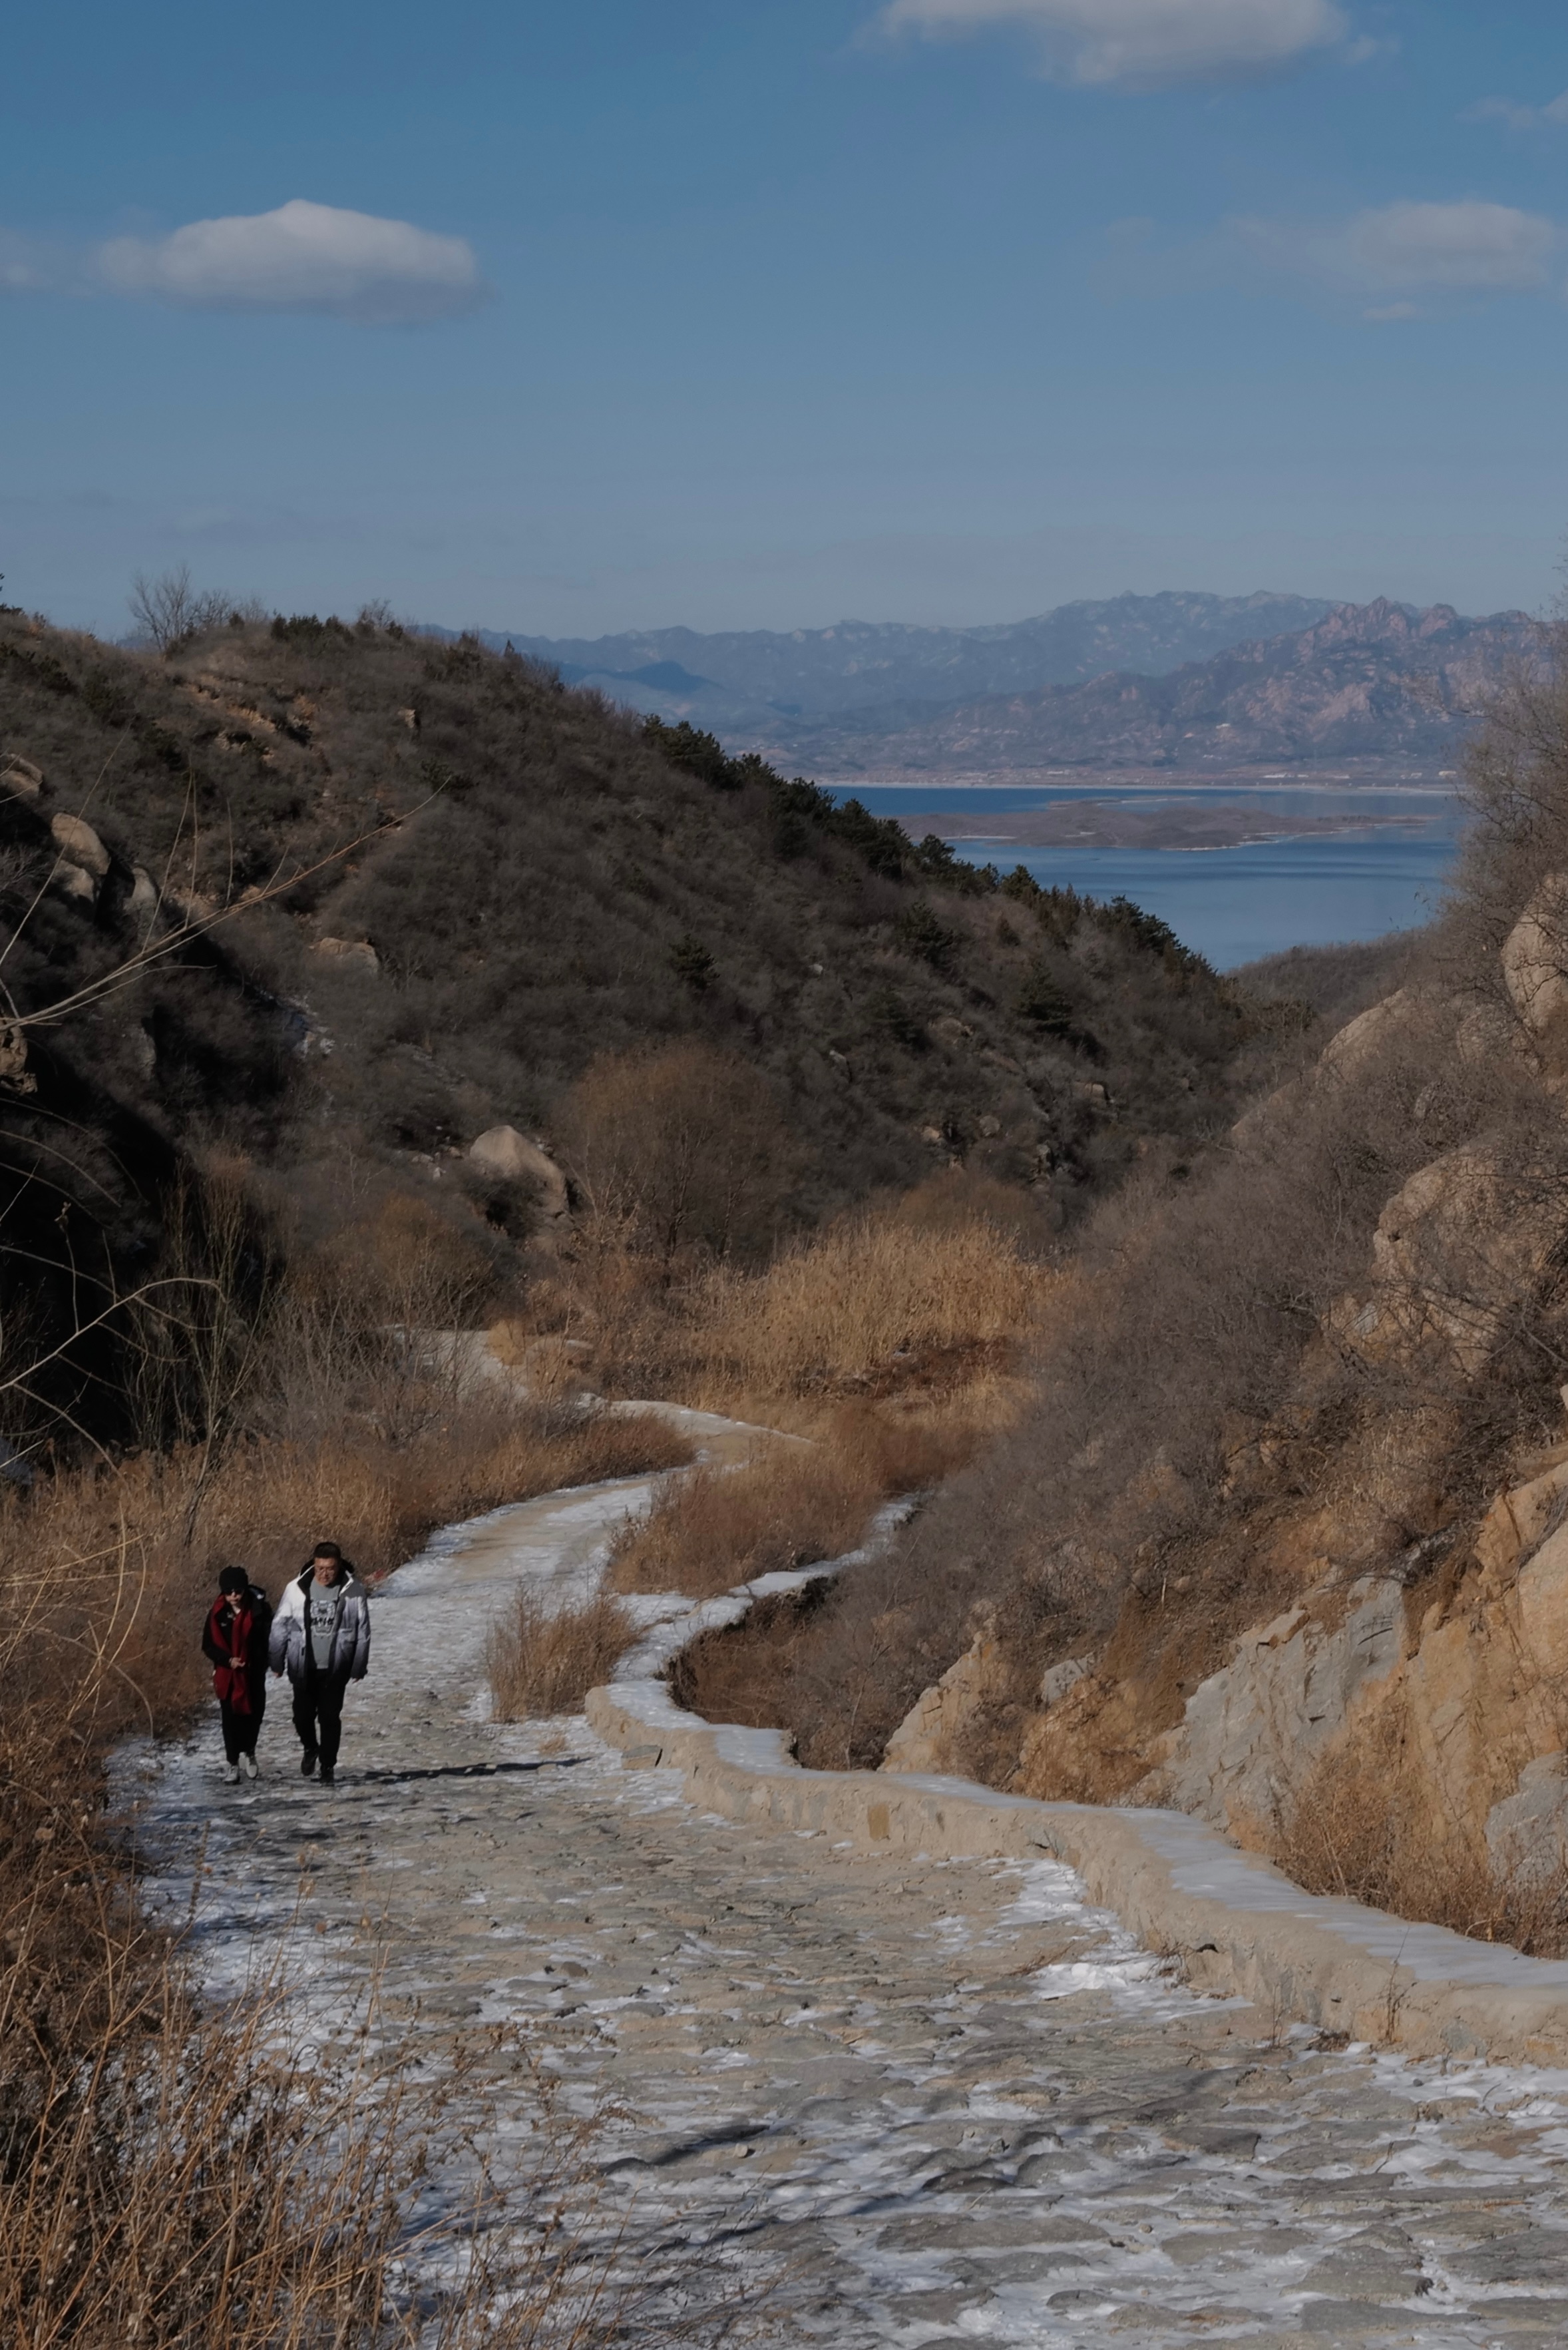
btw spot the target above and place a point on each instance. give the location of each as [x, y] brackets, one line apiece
[1455, 1250]
[20, 776]
[79, 845]
[1252, 1731]
[1348, 1051]
[1535, 968]
[144, 900]
[1516, 1520]
[1527, 1833]
[357, 952]
[502, 1151]
[71, 881]
[926, 1738]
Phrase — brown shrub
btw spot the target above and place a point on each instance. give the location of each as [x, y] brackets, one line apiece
[542, 1662]
[682, 1144]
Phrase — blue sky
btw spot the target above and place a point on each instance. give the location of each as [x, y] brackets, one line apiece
[630, 314]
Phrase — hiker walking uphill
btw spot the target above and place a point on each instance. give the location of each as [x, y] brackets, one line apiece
[321, 1638]
[236, 1639]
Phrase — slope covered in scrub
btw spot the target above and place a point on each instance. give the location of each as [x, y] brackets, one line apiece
[419, 889]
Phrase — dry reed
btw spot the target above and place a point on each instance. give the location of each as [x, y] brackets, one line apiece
[541, 1662]
[876, 1302]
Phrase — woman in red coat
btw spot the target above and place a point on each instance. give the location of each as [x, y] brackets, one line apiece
[238, 1625]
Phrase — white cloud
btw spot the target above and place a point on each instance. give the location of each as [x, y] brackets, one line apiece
[1552, 116]
[1415, 249]
[1139, 44]
[302, 256]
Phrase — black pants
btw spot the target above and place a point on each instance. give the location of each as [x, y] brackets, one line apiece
[239, 1728]
[319, 1715]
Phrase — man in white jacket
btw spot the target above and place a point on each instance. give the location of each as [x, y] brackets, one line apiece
[321, 1640]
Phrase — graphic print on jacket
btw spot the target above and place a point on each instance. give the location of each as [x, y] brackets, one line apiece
[325, 1606]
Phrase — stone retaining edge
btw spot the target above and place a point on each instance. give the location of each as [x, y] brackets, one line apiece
[1234, 1923]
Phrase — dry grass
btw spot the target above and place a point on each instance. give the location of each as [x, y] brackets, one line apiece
[879, 1303]
[541, 1663]
[792, 1503]
[1364, 1828]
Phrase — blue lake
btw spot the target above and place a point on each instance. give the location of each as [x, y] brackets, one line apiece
[1234, 904]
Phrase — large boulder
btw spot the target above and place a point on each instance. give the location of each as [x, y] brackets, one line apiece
[504, 1153]
[20, 777]
[359, 954]
[1535, 969]
[1457, 1250]
[79, 845]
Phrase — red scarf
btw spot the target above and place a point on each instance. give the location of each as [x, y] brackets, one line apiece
[233, 1633]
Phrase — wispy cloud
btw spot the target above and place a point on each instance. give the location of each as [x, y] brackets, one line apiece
[1138, 43]
[1552, 116]
[1414, 254]
[302, 256]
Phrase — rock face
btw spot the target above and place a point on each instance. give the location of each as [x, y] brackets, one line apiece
[1251, 1729]
[1527, 1836]
[1436, 1676]
[502, 1151]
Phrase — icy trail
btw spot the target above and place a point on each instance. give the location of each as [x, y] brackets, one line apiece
[902, 2103]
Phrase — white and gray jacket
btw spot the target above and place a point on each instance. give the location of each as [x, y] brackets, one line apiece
[288, 1650]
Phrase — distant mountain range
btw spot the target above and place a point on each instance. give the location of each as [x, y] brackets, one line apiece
[1173, 682]
[742, 680]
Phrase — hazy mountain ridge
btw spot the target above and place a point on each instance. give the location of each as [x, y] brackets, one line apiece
[1374, 681]
[750, 678]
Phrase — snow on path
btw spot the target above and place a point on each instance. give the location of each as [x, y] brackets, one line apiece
[891, 2101]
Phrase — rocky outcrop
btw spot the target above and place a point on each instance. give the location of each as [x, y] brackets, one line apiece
[1252, 1732]
[79, 845]
[927, 1738]
[19, 776]
[509, 1156]
[1455, 1249]
[1535, 969]
[355, 954]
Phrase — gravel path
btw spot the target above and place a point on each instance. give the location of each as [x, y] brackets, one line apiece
[890, 2103]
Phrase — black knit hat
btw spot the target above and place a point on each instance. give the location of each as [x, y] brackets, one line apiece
[234, 1578]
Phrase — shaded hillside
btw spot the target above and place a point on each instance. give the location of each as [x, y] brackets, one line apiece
[1374, 682]
[738, 682]
[484, 884]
